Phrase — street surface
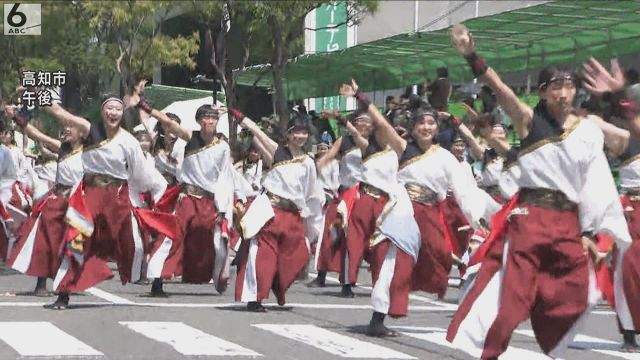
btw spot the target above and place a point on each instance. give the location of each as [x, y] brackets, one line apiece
[122, 322]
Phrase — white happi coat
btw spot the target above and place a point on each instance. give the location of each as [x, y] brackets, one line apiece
[208, 166]
[438, 170]
[329, 177]
[122, 158]
[491, 169]
[294, 179]
[8, 174]
[573, 162]
[350, 168]
[70, 169]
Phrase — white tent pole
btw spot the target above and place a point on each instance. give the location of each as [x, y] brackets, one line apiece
[414, 88]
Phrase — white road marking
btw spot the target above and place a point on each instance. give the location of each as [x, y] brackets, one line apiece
[602, 346]
[109, 296]
[229, 305]
[603, 312]
[41, 338]
[41, 304]
[438, 336]
[447, 306]
[187, 340]
[333, 343]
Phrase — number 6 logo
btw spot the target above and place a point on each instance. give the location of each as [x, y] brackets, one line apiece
[14, 13]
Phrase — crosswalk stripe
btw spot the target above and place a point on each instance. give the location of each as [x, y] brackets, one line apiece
[438, 336]
[41, 338]
[333, 343]
[187, 340]
[443, 305]
[109, 296]
[602, 346]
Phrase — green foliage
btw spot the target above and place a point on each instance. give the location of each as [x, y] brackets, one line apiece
[129, 30]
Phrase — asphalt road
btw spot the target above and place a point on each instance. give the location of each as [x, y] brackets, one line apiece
[122, 322]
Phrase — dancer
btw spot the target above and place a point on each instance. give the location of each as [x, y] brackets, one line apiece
[205, 204]
[538, 265]
[100, 209]
[426, 173]
[39, 249]
[331, 252]
[8, 176]
[278, 223]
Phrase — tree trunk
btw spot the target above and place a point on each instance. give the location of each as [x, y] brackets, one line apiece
[72, 98]
[230, 94]
[281, 99]
[277, 67]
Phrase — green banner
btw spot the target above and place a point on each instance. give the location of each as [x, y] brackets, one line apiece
[331, 38]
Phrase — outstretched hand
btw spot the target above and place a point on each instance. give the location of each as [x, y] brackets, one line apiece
[598, 80]
[469, 109]
[349, 90]
[328, 114]
[462, 39]
[591, 250]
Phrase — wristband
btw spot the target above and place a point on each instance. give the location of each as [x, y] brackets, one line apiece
[144, 105]
[237, 114]
[589, 235]
[22, 117]
[625, 103]
[477, 64]
[455, 121]
[362, 99]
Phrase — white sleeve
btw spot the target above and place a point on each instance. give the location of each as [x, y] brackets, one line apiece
[225, 185]
[142, 176]
[599, 207]
[314, 201]
[8, 175]
[474, 202]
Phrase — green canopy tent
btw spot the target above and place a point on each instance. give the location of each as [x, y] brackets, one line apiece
[560, 32]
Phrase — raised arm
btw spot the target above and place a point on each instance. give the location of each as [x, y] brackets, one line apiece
[267, 157]
[521, 114]
[270, 146]
[63, 117]
[383, 127]
[477, 150]
[501, 146]
[172, 126]
[169, 124]
[616, 140]
[329, 155]
[38, 136]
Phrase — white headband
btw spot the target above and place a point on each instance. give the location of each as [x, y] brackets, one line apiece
[113, 98]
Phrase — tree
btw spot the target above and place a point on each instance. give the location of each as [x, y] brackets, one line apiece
[285, 31]
[218, 20]
[130, 31]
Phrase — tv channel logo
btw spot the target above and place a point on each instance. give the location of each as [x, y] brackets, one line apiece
[22, 19]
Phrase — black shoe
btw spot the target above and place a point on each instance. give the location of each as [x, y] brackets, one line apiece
[379, 330]
[159, 293]
[629, 342]
[316, 283]
[347, 292]
[221, 286]
[256, 306]
[62, 302]
[157, 290]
